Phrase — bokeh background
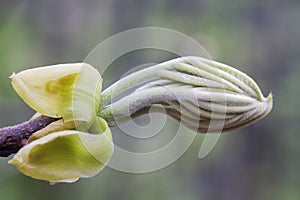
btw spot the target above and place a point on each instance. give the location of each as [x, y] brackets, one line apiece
[259, 37]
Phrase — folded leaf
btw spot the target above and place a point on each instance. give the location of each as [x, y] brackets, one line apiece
[70, 91]
[66, 156]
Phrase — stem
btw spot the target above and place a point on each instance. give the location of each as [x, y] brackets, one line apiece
[128, 82]
[13, 138]
[136, 78]
[150, 74]
[130, 104]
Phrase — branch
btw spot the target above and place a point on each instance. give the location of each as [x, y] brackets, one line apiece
[13, 138]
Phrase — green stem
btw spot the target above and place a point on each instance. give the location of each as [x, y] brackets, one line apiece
[128, 82]
[136, 101]
[136, 78]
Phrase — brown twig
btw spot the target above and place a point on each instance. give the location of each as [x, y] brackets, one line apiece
[13, 138]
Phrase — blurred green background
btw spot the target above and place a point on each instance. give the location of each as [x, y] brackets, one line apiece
[260, 37]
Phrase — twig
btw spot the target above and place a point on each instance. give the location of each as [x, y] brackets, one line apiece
[13, 138]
